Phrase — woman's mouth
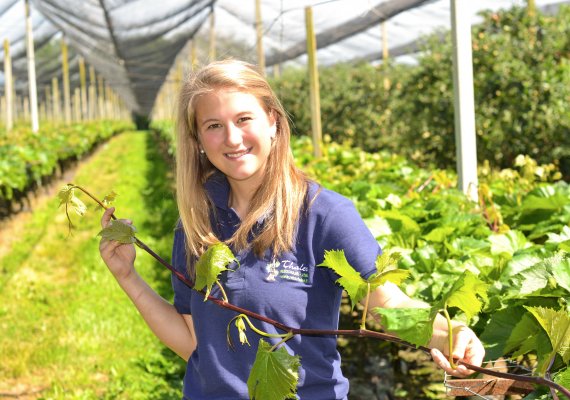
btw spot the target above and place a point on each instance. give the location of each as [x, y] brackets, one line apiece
[237, 154]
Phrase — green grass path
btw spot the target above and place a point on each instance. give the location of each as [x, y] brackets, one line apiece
[66, 329]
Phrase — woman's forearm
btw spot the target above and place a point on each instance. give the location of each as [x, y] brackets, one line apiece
[161, 316]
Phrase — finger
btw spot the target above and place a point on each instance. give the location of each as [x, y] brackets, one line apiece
[107, 216]
[108, 246]
[442, 362]
[475, 353]
[461, 341]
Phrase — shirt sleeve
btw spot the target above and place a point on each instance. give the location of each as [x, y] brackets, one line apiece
[344, 229]
[182, 293]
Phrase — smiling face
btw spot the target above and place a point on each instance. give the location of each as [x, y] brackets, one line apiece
[235, 132]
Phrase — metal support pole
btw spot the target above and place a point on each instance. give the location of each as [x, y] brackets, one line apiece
[463, 99]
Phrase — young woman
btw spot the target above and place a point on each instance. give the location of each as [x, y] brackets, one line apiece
[237, 183]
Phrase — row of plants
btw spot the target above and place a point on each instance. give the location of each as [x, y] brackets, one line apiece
[28, 158]
[521, 67]
[515, 241]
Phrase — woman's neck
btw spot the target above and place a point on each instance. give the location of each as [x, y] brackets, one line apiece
[240, 199]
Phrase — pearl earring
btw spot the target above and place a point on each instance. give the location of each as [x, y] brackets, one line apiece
[202, 151]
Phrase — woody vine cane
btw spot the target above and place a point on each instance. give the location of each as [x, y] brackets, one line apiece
[67, 197]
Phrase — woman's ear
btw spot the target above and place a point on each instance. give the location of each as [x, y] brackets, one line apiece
[273, 125]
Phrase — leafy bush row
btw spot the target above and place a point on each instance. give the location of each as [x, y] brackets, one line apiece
[522, 89]
[516, 240]
[27, 157]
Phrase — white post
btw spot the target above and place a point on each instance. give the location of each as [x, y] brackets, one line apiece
[463, 99]
[31, 70]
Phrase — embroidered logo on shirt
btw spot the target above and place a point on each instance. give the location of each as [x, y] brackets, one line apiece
[286, 270]
[272, 270]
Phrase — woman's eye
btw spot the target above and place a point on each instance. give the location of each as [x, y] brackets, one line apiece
[214, 126]
[243, 119]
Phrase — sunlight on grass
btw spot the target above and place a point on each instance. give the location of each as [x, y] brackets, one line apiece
[67, 326]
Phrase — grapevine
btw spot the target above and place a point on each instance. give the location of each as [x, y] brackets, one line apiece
[465, 292]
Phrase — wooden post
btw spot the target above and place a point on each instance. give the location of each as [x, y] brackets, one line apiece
[109, 102]
[77, 104]
[83, 90]
[47, 104]
[115, 105]
[8, 88]
[101, 97]
[259, 32]
[385, 51]
[3, 108]
[531, 8]
[66, 89]
[24, 106]
[385, 55]
[533, 30]
[56, 100]
[193, 57]
[314, 83]
[276, 71]
[43, 113]
[92, 94]
[31, 69]
[212, 52]
[463, 100]
[179, 75]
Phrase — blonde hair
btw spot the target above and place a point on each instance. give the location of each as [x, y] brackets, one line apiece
[278, 200]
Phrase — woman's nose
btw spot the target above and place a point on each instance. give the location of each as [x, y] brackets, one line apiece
[233, 135]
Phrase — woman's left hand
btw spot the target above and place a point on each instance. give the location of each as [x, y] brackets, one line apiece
[466, 347]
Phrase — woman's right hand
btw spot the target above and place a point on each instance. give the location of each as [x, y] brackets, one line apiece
[119, 257]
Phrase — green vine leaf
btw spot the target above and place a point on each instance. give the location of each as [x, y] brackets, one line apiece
[274, 374]
[562, 240]
[119, 231]
[465, 294]
[524, 336]
[67, 196]
[556, 323]
[414, 325]
[210, 265]
[560, 268]
[356, 287]
[109, 199]
[386, 271]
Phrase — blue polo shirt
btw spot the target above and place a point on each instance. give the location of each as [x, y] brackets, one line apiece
[289, 289]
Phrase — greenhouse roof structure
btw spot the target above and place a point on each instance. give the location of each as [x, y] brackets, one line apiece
[133, 44]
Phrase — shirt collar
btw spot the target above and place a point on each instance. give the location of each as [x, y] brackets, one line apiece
[218, 189]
